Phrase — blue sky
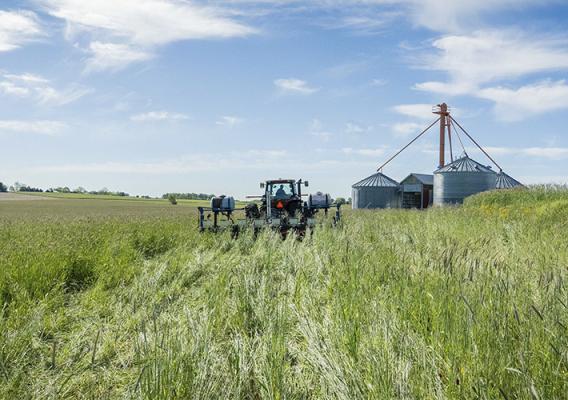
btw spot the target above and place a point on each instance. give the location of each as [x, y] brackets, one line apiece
[151, 96]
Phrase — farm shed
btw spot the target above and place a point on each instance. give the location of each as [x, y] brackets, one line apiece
[376, 191]
[461, 178]
[417, 191]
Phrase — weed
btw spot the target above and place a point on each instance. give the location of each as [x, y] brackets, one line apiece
[464, 302]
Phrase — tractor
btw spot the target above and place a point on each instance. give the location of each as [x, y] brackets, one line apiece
[280, 207]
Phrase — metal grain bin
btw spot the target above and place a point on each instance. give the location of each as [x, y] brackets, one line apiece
[505, 181]
[461, 178]
[376, 191]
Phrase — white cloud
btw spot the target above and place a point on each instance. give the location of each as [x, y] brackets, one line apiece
[293, 85]
[229, 121]
[18, 28]
[27, 78]
[317, 129]
[371, 15]
[260, 162]
[538, 98]
[378, 82]
[459, 15]
[127, 31]
[10, 88]
[547, 152]
[323, 135]
[38, 127]
[403, 129]
[364, 152]
[254, 159]
[158, 116]
[353, 128]
[40, 89]
[365, 23]
[540, 179]
[270, 153]
[420, 111]
[147, 22]
[474, 63]
[487, 56]
[113, 56]
[446, 88]
[346, 69]
[52, 97]
[553, 153]
[316, 125]
[360, 24]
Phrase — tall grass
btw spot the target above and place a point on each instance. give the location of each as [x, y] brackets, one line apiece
[466, 302]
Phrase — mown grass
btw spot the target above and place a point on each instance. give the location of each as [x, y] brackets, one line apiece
[466, 302]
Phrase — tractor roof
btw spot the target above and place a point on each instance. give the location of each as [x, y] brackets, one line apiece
[280, 181]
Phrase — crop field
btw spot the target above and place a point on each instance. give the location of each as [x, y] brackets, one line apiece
[126, 299]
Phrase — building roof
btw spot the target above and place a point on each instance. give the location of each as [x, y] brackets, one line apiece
[425, 179]
[376, 180]
[465, 164]
[505, 181]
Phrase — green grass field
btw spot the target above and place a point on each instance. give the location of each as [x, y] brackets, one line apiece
[87, 196]
[115, 299]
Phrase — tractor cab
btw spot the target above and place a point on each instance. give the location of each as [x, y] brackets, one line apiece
[281, 190]
[282, 196]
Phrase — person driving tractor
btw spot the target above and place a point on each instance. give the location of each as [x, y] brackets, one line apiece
[281, 192]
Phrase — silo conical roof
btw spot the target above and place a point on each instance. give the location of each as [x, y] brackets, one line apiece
[505, 181]
[464, 164]
[376, 180]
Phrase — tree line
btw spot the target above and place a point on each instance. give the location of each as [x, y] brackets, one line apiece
[188, 196]
[172, 197]
[22, 187]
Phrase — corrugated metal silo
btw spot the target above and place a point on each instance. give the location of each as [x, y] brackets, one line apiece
[376, 191]
[461, 178]
[505, 181]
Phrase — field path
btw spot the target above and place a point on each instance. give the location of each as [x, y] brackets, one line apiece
[19, 196]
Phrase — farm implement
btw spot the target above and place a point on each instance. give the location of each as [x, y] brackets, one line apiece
[281, 207]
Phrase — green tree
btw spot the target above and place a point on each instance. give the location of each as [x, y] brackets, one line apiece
[172, 199]
[340, 201]
[3, 188]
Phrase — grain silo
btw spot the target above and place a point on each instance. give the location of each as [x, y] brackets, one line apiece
[505, 181]
[376, 191]
[453, 182]
[461, 178]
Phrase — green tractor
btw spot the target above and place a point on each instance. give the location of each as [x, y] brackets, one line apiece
[282, 207]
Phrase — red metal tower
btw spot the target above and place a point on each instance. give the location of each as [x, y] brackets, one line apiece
[442, 111]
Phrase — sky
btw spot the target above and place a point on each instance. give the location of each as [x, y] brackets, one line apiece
[215, 96]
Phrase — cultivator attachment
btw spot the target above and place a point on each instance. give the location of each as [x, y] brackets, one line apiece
[280, 208]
